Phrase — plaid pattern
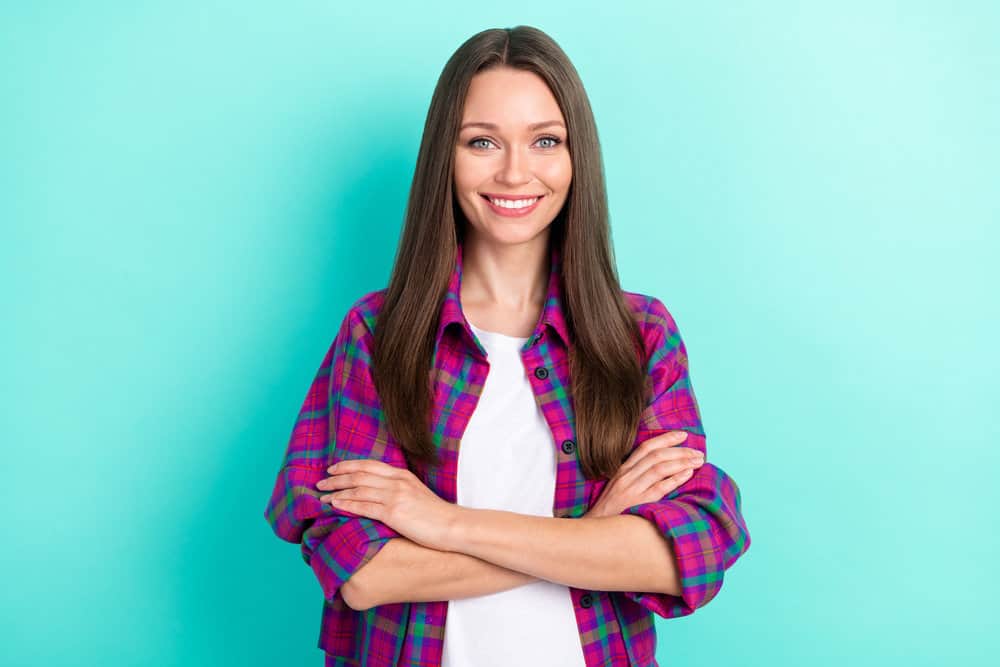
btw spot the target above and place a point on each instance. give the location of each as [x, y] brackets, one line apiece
[341, 418]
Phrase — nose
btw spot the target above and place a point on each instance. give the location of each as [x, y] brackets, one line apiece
[515, 169]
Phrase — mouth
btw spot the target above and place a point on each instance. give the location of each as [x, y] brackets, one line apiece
[512, 206]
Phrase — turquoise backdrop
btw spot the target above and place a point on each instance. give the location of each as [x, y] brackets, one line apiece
[193, 193]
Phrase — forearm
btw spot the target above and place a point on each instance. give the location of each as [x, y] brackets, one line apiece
[404, 571]
[616, 553]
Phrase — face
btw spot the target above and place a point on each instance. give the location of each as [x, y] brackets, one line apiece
[511, 151]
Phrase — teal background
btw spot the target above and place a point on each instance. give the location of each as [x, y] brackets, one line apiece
[193, 193]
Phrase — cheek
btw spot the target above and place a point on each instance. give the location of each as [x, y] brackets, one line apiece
[468, 174]
[460, 171]
[465, 182]
[558, 174]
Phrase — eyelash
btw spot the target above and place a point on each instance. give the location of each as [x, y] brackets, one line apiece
[557, 141]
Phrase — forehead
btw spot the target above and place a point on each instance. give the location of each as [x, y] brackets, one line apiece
[510, 97]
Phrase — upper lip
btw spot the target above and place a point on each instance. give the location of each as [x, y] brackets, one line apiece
[494, 195]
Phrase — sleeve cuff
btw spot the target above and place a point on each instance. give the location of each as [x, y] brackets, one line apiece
[348, 547]
[703, 523]
[698, 586]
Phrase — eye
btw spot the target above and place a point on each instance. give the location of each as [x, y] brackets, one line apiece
[473, 142]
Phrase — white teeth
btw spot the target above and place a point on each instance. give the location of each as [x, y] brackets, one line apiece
[514, 203]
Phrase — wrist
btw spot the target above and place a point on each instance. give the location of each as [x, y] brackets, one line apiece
[453, 536]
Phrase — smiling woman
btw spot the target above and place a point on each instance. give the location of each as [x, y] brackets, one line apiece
[510, 166]
[501, 459]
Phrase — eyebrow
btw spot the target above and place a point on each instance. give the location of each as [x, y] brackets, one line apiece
[493, 126]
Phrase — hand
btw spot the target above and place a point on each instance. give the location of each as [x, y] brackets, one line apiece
[653, 469]
[394, 496]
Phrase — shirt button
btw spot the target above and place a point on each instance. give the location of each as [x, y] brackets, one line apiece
[541, 372]
[568, 446]
[586, 601]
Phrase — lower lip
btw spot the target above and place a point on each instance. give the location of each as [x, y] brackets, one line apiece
[513, 212]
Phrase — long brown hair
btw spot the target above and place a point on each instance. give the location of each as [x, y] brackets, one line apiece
[607, 374]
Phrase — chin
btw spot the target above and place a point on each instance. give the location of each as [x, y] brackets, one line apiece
[511, 231]
[511, 236]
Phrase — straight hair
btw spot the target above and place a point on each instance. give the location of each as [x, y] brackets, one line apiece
[608, 382]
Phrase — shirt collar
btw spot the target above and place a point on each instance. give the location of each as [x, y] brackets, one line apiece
[552, 316]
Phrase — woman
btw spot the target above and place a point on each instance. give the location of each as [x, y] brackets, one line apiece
[574, 512]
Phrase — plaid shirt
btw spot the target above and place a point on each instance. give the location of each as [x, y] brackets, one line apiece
[341, 418]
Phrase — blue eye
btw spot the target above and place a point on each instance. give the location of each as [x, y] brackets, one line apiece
[474, 142]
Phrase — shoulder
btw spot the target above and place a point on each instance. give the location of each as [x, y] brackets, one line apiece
[356, 330]
[666, 353]
[366, 308]
[655, 320]
[349, 357]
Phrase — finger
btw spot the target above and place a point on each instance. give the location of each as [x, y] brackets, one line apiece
[669, 439]
[360, 508]
[661, 489]
[373, 466]
[366, 494]
[670, 452]
[640, 460]
[350, 479]
[654, 469]
[660, 470]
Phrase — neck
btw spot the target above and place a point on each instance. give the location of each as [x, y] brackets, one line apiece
[508, 277]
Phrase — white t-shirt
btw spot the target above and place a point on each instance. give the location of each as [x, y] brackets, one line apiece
[507, 461]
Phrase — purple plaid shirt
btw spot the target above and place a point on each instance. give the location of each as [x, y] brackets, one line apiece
[341, 418]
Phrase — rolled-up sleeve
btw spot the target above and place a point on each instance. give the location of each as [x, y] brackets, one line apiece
[341, 418]
[702, 519]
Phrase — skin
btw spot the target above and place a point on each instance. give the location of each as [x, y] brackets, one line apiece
[448, 551]
[505, 259]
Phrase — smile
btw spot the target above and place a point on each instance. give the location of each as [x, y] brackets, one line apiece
[513, 208]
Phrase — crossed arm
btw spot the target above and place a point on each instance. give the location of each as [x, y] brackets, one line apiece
[701, 530]
[494, 550]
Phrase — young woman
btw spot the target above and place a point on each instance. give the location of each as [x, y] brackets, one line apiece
[500, 460]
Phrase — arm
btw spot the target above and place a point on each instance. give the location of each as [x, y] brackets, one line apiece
[617, 553]
[404, 571]
[701, 520]
[339, 419]
[674, 550]
[499, 549]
